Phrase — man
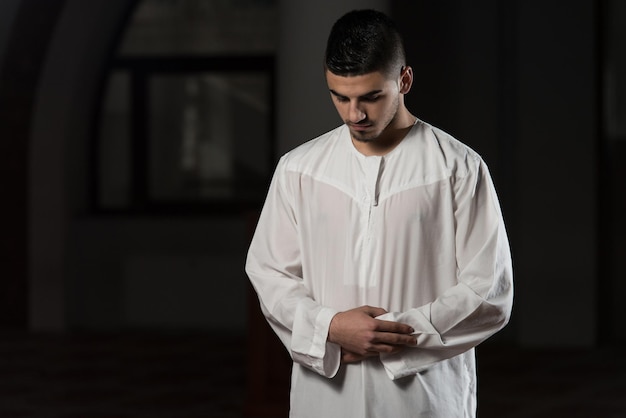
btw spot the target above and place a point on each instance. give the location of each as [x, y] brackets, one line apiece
[380, 258]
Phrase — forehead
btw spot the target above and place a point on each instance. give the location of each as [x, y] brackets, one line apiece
[357, 85]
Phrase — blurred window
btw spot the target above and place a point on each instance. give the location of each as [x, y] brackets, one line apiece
[186, 122]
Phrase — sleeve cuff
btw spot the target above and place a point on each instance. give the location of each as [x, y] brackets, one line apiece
[413, 360]
[309, 343]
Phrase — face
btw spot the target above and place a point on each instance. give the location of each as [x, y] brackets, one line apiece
[368, 103]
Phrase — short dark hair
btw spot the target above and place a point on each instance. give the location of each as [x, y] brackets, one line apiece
[362, 42]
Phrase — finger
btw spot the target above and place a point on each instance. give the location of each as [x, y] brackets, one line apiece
[391, 326]
[351, 357]
[389, 338]
[386, 348]
[395, 349]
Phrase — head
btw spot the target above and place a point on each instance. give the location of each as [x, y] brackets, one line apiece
[367, 75]
[364, 41]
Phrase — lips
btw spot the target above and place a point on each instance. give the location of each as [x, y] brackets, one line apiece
[357, 127]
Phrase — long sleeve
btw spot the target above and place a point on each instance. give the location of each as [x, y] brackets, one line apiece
[480, 303]
[274, 267]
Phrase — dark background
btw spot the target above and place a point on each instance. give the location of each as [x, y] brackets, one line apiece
[536, 87]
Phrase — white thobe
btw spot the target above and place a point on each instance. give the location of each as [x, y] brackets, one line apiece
[418, 232]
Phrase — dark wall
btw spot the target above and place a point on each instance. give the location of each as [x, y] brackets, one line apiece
[20, 67]
[518, 82]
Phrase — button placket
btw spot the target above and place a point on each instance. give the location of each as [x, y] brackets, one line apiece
[372, 168]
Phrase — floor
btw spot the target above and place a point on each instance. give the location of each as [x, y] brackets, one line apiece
[197, 375]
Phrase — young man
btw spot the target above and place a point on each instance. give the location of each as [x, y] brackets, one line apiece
[380, 258]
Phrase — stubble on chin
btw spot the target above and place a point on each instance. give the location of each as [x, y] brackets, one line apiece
[358, 136]
[363, 140]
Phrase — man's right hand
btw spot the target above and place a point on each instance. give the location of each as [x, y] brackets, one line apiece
[361, 335]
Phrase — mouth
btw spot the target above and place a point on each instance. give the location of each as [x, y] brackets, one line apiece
[359, 127]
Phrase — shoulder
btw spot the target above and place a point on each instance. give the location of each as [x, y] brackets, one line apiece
[438, 145]
[447, 143]
[315, 153]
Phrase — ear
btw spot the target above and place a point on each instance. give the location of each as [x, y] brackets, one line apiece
[406, 79]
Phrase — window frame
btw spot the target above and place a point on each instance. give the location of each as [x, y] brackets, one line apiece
[140, 70]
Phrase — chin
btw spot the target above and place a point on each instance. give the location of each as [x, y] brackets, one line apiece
[358, 136]
[364, 140]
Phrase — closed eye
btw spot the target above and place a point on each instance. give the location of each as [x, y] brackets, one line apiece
[370, 98]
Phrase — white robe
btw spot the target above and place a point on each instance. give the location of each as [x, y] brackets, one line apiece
[417, 232]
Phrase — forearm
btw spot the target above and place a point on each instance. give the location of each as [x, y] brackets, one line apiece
[299, 321]
[451, 325]
[274, 267]
[467, 313]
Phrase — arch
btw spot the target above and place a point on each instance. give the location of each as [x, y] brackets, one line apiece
[22, 50]
[61, 120]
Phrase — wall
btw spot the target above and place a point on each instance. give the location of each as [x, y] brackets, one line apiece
[8, 10]
[59, 137]
[517, 82]
[13, 222]
[157, 274]
[97, 273]
[557, 172]
[25, 50]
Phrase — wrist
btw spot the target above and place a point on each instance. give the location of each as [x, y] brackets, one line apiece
[331, 337]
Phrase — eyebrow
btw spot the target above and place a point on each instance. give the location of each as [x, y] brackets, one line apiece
[368, 94]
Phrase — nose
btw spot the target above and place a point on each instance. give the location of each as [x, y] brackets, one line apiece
[356, 114]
